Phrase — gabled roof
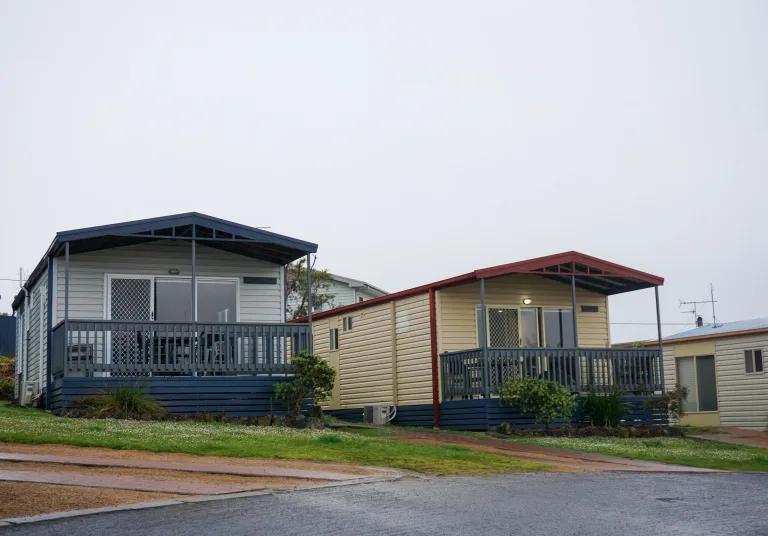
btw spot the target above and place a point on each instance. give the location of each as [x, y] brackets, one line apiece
[213, 232]
[356, 283]
[591, 273]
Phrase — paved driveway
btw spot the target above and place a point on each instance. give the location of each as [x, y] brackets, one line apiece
[546, 504]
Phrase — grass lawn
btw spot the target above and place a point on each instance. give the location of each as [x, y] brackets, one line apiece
[22, 425]
[710, 454]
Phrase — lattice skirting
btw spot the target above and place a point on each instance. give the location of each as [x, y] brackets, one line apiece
[484, 414]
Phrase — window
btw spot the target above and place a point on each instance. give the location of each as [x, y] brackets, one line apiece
[347, 323]
[216, 301]
[698, 375]
[558, 328]
[360, 299]
[334, 334]
[753, 361]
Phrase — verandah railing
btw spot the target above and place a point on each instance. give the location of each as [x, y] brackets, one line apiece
[85, 347]
[479, 373]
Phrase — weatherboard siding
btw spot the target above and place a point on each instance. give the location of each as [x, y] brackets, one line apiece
[87, 271]
[742, 397]
[364, 360]
[458, 305]
[36, 359]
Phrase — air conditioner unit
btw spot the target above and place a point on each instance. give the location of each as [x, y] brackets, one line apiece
[378, 413]
[29, 392]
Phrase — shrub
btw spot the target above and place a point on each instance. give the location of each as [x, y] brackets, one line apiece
[605, 409]
[672, 402]
[7, 377]
[123, 402]
[313, 378]
[546, 400]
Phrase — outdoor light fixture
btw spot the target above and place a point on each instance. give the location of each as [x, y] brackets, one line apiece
[173, 271]
[527, 301]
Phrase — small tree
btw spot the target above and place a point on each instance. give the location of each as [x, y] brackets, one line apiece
[313, 378]
[546, 400]
[296, 288]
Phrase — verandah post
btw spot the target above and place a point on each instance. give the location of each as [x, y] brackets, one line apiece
[576, 333]
[658, 331]
[309, 302]
[484, 343]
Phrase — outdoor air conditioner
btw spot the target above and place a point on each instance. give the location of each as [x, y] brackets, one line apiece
[29, 391]
[378, 413]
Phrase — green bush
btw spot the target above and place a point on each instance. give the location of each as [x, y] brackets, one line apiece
[605, 409]
[313, 379]
[672, 402]
[546, 400]
[123, 402]
[7, 377]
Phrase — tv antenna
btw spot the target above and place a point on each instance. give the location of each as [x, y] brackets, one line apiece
[695, 305]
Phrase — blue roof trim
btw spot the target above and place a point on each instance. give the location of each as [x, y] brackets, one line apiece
[189, 218]
[725, 327]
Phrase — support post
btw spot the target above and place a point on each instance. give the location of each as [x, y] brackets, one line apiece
[49, 337]
[658, 331]
[309, 301]
[433, 351]
[67, 335]
[573, 305]
[194, 348]
[484, 343]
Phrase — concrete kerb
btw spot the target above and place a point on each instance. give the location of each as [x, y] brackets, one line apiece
[174, 502]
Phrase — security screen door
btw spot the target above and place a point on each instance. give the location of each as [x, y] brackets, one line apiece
[130, 299]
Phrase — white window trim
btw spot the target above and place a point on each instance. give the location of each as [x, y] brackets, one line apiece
[178, 278]
[762, 355]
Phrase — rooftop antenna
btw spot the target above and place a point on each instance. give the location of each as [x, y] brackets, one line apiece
[695, 305]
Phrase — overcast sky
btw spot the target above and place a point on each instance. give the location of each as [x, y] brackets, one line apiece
[412, 141]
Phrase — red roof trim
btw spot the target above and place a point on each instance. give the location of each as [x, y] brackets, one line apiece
[522, 267]
[612, 269]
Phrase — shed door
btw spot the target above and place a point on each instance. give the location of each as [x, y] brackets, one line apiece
[130, 300]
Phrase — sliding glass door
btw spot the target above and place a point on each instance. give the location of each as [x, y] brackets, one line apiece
[216, 300]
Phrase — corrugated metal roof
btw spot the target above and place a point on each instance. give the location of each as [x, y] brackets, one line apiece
[725, 327]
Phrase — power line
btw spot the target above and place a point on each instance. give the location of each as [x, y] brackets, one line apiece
[651, 323]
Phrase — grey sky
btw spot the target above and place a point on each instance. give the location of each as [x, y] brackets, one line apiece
[411, 140]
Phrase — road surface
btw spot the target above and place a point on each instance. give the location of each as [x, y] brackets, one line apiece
[546, 504]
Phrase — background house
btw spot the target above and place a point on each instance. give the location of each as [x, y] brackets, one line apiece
[724, 370]
[193, 305]
[430, 348]
[347, 291]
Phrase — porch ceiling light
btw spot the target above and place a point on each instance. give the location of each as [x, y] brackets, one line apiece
[527, 301]
[173, 271]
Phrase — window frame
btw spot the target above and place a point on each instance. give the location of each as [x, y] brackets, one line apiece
[753, 361]
[543, 315]
[696, 380]
[333, 339]
[346, 323]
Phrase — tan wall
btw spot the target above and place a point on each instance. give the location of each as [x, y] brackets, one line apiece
[364, 362]
[457, 309]
[742, 397]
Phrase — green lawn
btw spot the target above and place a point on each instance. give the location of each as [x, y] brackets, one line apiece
[710, 454]
[219, 439]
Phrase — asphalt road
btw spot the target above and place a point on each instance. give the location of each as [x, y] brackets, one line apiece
[547, 504]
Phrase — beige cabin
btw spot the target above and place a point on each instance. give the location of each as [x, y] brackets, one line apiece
[461, 337]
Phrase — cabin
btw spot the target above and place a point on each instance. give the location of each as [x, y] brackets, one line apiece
[438, 352]
[722, 365]
[191, 306]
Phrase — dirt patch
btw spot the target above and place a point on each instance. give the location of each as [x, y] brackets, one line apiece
[160, 474]
[66, 450]
[19, 499]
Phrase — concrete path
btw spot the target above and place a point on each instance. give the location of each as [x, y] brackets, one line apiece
[738, 436]
[124, 482]
[243, 470]
[561, 460]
